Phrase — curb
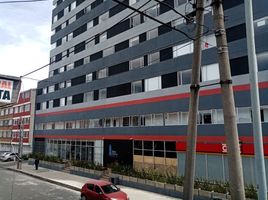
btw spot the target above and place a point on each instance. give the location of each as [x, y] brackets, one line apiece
[46, 179]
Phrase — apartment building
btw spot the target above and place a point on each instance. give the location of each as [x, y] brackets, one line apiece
[118, 85]
[16, 119]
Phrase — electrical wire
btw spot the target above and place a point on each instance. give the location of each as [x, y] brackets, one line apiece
[87, 42]
[150, 17]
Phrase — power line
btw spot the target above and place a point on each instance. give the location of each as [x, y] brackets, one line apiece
[134, 10]
[23, 1]
[90, 40]
[152, 18]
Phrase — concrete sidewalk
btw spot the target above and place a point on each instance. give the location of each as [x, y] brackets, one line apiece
[75, 182]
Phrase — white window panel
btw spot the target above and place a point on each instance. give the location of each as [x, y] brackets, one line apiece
[50, 104]
[88, 9]
[44, 90]
[172, 119]
[86, 59]
[157, 120]
[135, 20]
[108, 51]
[72, 19]
[184, 118]
[137, 87]
[210, 72]
[103, 17]
[69, 66]
[89, 77]
[131, 2]
[90, 24]
[183, 49]
[153, 83]
[69, 100]
[44, 105]
[243, 115]
[51, 88]
[185, 76]
[265, 114]
[136, 63]
[88, 96]
[68, 83]
[209, 42]
[153, 12]
[103, 37]
[62, 101]
[102, 93]
[72, 6]
[261, 23]
[153, 58]
[177, 3]
[134, 41]
[152, 34]
[102, 73]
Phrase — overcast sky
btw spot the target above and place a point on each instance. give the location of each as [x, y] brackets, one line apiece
[25, 30]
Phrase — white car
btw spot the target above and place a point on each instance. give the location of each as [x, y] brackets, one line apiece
[8, 156]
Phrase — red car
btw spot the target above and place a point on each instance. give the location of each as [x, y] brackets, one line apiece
[101, 190]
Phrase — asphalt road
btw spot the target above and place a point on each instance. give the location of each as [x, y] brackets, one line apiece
[15, 186]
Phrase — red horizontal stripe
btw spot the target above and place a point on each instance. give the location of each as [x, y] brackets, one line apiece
[151, 100]
[207, 139]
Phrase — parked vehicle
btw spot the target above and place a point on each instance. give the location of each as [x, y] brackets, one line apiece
[4, 153]
[8, 156]
[101, 190]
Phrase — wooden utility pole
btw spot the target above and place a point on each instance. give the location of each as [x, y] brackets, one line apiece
[230, 126]
[20, 147]
[188, 189]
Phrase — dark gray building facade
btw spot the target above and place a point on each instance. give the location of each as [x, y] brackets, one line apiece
[118, 86]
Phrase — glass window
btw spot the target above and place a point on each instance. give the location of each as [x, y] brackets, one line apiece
[126, 121]
[68, 83]
[90, 24]
[177, 3]
[210, 72]
[88, 96]
[157, 119]
[69, 66]
[186, 76]
[152, 34]
[153, 58]
[135, 21]
[89, 77]
[135, 120]
[264, 114]
[184, 118]
[103, 37]
[27, 108]
[177, 22]
[69, 100]
[62, 85]
[153, 12]
[209, 41]
[72, 6]
[153, 84]
[50, 104]
[102, 93]
[103, 17]
[108, 51]
[218, 116]
[183, 49]
[136, 63]
[136, 87]
[131, 2]
[172, 119]
[102, 73]
[71, 20]
[204, 117]
[62, 101]
[43, 105]
[51, 88]
[87, 9]
[243, 115]
[134, 41]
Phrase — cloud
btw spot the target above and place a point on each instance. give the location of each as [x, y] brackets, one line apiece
[25, 39]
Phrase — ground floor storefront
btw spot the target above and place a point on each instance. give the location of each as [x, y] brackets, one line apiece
[14, 147]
